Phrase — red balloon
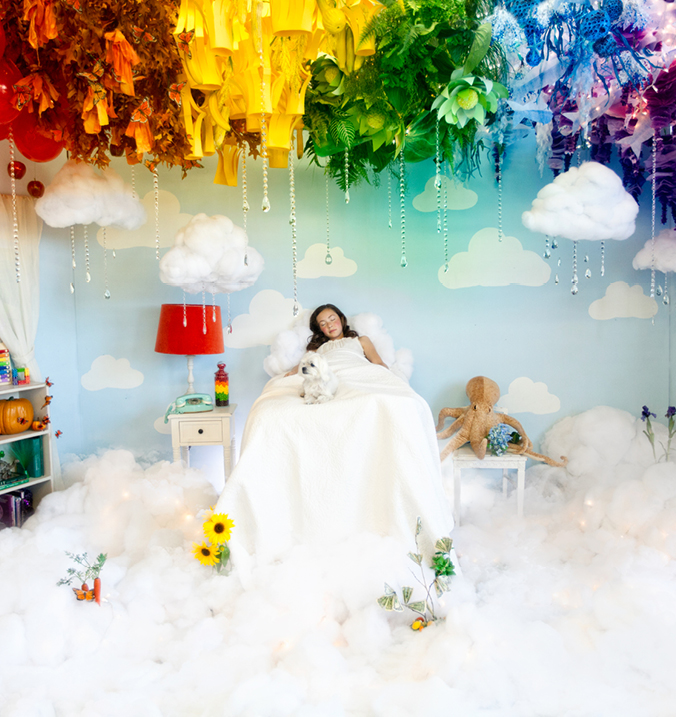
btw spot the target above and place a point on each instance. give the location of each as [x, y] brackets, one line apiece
[19, 169]
[4, 131]
[9, 76]
[33, 144]
[3, 41]
[36, 189]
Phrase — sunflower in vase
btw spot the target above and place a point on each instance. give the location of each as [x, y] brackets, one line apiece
[214, 550]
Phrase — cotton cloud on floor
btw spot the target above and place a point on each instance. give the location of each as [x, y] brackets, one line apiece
[567, 612]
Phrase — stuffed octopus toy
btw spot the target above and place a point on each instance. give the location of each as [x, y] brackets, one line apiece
[473, 423]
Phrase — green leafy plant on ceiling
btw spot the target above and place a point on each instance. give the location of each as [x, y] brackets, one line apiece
[387, 104]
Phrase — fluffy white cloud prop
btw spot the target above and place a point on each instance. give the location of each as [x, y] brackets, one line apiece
[313, 265]
[586, 202]
[457, 196]
[108, 372]
[664, 252]
[78, 194]
[170, 218]
[491, 262]
[527, 396]
[289, 345]
[622, 301]
[208, 255]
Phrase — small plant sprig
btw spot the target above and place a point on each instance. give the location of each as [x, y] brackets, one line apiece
[90, 572]
[670, 415]
[443, 570]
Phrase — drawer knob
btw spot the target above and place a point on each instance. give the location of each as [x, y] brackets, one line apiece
[200, 431]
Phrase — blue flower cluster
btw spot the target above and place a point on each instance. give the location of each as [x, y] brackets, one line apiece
[498, 439]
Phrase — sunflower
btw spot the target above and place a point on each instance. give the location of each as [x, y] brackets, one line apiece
[206, 554]
[218, 528]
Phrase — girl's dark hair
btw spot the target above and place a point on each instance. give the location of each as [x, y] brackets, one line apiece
[318, 338]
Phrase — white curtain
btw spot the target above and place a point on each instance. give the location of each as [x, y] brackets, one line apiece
[20, 301]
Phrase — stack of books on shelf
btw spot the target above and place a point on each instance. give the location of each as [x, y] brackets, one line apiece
[15, 508]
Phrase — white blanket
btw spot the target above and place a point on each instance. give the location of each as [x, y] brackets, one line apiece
[366, 461]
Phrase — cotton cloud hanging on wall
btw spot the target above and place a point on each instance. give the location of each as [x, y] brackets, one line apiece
[585, 203]
[313, 265]
[211, 254]
[80, 195]
[622, 301]
[663, 252]
[491, 262]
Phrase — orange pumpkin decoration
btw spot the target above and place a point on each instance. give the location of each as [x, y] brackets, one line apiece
[16, 415]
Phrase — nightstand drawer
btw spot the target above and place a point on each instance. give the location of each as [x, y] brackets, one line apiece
[200, 431]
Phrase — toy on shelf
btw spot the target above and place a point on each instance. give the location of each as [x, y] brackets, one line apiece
[5, 365]
[21, 376]
[474, 422]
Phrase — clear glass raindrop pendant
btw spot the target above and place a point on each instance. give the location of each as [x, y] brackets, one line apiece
[328, 259]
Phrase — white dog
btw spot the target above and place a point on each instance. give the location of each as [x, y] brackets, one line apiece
[319, 381]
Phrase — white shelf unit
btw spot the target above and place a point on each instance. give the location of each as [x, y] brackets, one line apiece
[35, 393]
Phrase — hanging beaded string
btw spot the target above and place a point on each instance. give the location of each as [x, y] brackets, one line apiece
[498, 163]
[556, 277]
[265, 204]
[389, 199]
[292, 222]
[72, 255]
[445, 227]
[402, 207]
[437, 177]
[133, 183]
[587, 272]
[603, 258]
[229, 329]
[574, 281]
[213, 307]
[15, 221]
[106, 293]
[88, 276]
[328, 259]
[245, 204]
[665, 299]
[652, 220]
[156, 189]
[547, 252]
[204, 310]
[346, 169]
[185, 311]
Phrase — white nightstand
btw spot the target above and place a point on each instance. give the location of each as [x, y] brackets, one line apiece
[466, 458]
[206, 428]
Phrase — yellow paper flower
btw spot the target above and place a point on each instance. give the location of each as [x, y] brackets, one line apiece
[218, 528]
[206, 554]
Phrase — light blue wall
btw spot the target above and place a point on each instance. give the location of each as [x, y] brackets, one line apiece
[543, 332]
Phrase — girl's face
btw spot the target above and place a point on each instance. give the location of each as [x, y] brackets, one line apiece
[329, 324]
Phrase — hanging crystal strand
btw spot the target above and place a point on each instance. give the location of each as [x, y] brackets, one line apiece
[156, 189]
[603, 258]
[346, 169]
[389, 199]
[204, 310]
[574, 280]
[185, 311]
[88, 276]
[15, 222]
[556, 277]
[133, 183]
[587, 273]
[265, 204]
[245, 205]
[106, 293]
[445, 227]
[328, 258]
[547, 253]
[437, 177]
[72, 255]
[292, 221]
[229, 329]
[402, 208]
[665, 299]
[499, 168]
[652, 220]
[213, 307]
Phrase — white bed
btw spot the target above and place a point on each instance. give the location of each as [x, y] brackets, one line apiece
[366, 461]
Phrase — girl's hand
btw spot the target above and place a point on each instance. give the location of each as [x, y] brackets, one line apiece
[370, 351]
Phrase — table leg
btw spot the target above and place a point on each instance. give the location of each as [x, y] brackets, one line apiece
[185, 454]
[504, 482]
[177, 453]
[456, 493]
[520, 489]
[226, 460]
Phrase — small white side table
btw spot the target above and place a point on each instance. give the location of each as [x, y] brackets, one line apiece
[465, 457]
[206, 428]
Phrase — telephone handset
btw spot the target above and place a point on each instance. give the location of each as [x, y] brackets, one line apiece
[190, 403]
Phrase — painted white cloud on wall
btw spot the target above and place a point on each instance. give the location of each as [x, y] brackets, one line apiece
[458, 196]
[108, 372]
[170, 220]
[269, 313]
[491, 262]
[79, 194]
[664, 252]
[313, 264]
[160, 426]
[585, 203]
[622, 301]
[527, 396]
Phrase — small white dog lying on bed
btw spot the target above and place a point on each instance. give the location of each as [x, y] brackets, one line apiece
[319, 381]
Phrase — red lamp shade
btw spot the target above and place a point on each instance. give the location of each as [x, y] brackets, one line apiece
[175, 338]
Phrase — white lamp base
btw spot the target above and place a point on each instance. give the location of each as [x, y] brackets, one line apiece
[191, 378]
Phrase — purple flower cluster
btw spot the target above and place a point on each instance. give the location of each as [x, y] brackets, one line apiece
[645, 414]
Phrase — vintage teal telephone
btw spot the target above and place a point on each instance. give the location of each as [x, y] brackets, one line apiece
[190, 403]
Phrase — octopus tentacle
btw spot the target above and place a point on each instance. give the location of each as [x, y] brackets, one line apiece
[459, 440]
[445, 412]
[456, 425]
